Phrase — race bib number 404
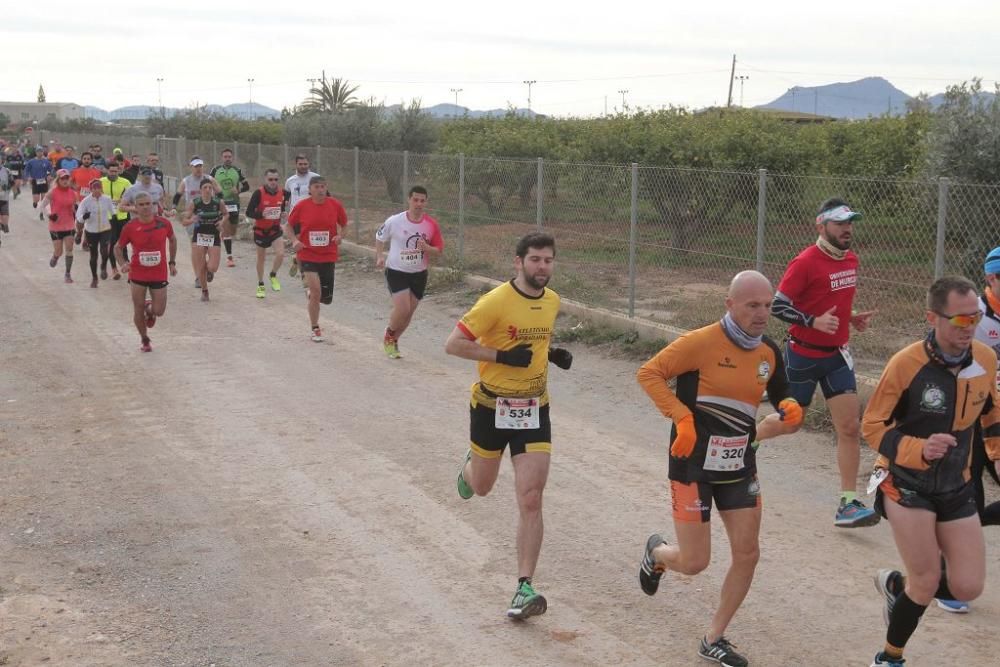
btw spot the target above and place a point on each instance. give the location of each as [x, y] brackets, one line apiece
[725, 453]
[517, 413]
[411, 258]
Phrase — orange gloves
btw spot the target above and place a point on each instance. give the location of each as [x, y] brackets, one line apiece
[683, 444]
[790, 411]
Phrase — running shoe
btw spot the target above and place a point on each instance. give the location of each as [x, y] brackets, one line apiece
[104, 274]
[953, 606]
[5, 227]
[855, 515]
[53, 262]
[93, 282]
[889, 584]
[116, 276]
[527, 602]
[204, 295]
[41, 216]
[197, 283]
[882, 660]
[209, 276]
[230, 263]
[722, 652]
[261, 292]
[649, 577]
[145, 347]
[317, 335]
[391, 348]
[150, 317]
[464, 490]
[275, 285]
[293, 269]
[68, 279]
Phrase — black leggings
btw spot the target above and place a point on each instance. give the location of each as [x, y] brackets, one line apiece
[988, 515]
[99, 242]
[116, 231]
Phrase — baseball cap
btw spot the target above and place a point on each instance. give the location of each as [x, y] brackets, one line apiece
[61, 173]
[992, 264]
[838, 214]
[146, 171]
[95, 181]
[195, 161]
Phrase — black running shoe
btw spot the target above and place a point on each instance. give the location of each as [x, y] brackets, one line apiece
[721, 651]
[649, 577]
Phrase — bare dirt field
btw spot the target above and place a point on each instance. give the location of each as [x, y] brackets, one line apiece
[242, 496]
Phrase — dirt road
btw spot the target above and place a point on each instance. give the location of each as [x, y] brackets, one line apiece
[242, 496]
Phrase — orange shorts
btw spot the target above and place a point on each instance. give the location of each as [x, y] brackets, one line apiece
[692, 502]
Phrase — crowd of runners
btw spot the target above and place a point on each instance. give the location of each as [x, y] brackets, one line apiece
[933, 419]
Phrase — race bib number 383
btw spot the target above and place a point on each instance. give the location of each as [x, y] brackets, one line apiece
[517, 413]
[725, 453]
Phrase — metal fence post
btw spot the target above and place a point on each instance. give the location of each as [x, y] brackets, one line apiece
[406, 174]
[357, 194]
[319, 159]
[539, 195]
[941, 226]
[461, 209]
[761, 215]
[181, 152]
[215, 148]
[260, 158]
[284, 164]
[632, 234]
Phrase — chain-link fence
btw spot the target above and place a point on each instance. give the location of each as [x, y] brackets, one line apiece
[649, 242]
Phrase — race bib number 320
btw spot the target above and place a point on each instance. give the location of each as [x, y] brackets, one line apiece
[725, 453]
[517, 413]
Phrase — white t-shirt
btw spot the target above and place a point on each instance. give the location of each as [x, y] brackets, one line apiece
[402, 235]
[100, 211]
[298, 188]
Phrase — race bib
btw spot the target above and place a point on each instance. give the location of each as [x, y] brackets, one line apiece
[411, 258]
[319, 239]
[845, 352]
[149, 258]
[205, 240]
[39, 181]
[517, 413]
[877, 477]
[725, 453]
[232, 208]
[272, 213]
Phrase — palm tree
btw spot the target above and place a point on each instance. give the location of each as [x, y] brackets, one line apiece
[333, 96]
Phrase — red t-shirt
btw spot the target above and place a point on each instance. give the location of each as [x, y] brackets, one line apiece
[815, 283]
[62, 202]
[149, 248]
[316, 225]
[81, 178]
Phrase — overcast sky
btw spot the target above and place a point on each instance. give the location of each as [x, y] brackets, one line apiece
[581, 54]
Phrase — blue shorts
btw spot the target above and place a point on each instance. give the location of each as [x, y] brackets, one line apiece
[832, 374]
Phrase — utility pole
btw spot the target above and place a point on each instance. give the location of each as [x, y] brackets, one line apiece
[250, 81]
[456, 91]
[741, 78]
[159, 94]
[623, 92]
[732, 73]
[530, 84]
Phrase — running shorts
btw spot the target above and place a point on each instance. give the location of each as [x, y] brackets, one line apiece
[489, 442]
[151, 284]
[692, 502]
[832, 373]
[39, 188]
[206, 230]
[56, 236]
[4, 207]
[326, 275]
[398, 281]
[265, 236]
[98, 238]
[948, 506]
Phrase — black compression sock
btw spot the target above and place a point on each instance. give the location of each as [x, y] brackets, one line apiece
[990, 516]
[229, 246]
[273, 275]
[903, 622]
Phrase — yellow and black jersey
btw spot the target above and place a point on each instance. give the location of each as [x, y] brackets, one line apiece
[916, 397]
[721, 384]
[503, 318]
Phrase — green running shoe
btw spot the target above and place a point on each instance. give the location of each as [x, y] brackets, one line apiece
[464, 490]
[527, 602]
[261, 292]
[275, 285]
[391, 348]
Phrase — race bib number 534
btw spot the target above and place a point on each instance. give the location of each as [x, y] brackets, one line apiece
[517, 413]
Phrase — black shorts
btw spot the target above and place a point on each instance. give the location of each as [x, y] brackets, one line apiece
[326, 274]
[401, 280]
[208, 230]
[56, 236]
[234, 216]
[264, 237]
[151, 284]
[39, 188]
[489, 442]
[4, 207]
[949, 506]
[98, 238]
[692, 501]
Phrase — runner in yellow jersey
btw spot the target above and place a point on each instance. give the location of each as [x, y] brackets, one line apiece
[508, 332]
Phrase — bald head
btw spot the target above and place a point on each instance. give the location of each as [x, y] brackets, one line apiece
[749, 301]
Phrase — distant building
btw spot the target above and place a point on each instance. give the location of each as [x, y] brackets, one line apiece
[27, 112]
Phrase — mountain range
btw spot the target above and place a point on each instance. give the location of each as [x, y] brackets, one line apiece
[246, 111]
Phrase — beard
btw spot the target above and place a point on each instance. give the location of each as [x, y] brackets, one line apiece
[837, 243]
[536, 282]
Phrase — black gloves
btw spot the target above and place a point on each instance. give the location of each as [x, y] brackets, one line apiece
[561, 357]
[53, 216]
[519, 356]
[86, 215]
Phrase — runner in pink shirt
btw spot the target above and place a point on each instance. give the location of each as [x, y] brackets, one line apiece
[61, 204]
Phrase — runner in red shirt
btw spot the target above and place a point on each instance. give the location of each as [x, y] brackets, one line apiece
[816, 296]
[149, 235]
[61, 202]
[316, 227]
[84, 174]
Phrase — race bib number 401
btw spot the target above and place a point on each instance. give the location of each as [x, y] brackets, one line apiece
[517, 413]
[725, 453]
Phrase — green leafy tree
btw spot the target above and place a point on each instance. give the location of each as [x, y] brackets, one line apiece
[333, 96]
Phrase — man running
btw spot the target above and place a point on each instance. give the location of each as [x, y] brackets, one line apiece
[68, 161]
[266, 208]
[99, 160]
[232, 182]
[816, 296]
[115, 187]
[413, 237]
[93, 221]
[146, 184]
[15, 164]
[153, 162]
[39, 171]
[205, 215]
[988, 333]
[722, 371]
[509, 332]
[189, 189]
[6, 186]
[297, 186]
[316, 227]
[131, 172]
[61, 203]
[149, 235]
[84, 174]
[921, 420]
